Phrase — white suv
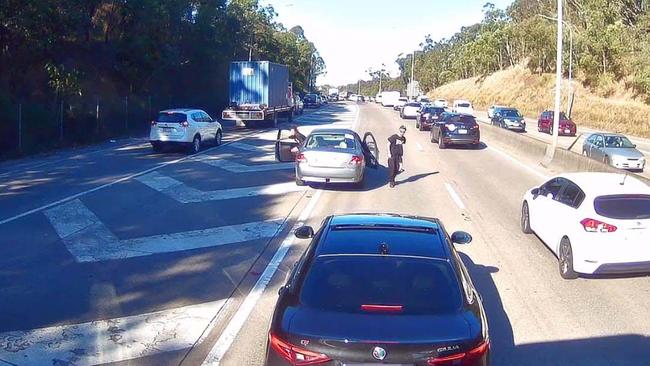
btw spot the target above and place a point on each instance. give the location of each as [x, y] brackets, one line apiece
[190, 127]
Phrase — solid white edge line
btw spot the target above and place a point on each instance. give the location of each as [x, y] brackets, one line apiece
[526, 167]
[455, 197]
[229, 334]
[120, 180]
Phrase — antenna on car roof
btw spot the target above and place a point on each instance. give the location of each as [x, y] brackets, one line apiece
[623, 182]
[383, 249]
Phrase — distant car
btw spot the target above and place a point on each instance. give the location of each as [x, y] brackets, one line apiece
[410, 110]
[455, 129]
[509, 118]
[330, 156]
[379, 290]
[545, 124]
[401, 101]
[442, 103]
[462, 106]
[361, 98]
[186, 127]
[615, 150]
[595, 223]
[422, 99]
[492, 108]
[311, 101]
[324, 99]
[427, 116]
[378, 98]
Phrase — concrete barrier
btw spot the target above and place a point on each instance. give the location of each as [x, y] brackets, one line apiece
[525, 147]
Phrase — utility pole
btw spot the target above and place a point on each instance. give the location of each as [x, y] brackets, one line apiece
[558, 84]
[412, 73]
[359, 91]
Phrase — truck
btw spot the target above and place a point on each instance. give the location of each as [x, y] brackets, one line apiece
[333, 93]
[389, 98]
[259, 91]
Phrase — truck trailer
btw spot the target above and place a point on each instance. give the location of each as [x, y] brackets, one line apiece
[259, 91]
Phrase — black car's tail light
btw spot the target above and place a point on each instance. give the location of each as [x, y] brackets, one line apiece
[382, 308]
[295, 355]
[468, 358]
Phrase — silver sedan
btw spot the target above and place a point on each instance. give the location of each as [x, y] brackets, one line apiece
[331, 156]
[615, 150]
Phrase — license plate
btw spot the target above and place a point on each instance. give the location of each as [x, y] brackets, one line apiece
[567, 131]
[462, 132]
[166, 129]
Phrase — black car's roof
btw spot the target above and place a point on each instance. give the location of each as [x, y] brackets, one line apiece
[402, 235]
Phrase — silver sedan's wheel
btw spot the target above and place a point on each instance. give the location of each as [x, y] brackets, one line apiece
[218, 138]
[196, 145]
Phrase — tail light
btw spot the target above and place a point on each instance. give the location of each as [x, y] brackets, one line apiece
[595, 226]
[300, 158]
[468, 358]
[295, 355]
[382, 308]
[184, 124]
[474, 127]
[356, 160]
[153, 123]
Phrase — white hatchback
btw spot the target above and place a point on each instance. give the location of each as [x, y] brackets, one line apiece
[188, 127]
[461, 106]
[593, 222]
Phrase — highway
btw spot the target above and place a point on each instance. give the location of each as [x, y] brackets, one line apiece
[115, 255]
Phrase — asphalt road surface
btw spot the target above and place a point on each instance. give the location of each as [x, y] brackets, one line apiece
[116, 255]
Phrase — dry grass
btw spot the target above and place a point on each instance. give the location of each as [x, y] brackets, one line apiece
[532, 93]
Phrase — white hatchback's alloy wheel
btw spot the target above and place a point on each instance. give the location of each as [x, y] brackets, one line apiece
[218, 138]
[196, 145]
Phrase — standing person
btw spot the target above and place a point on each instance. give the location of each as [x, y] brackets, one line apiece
[299, 137]
[395, 153]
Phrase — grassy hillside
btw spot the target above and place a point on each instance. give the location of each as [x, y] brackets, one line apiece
[532, 93]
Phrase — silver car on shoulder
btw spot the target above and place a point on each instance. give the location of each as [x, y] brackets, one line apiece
[615, 150]
[330, 156]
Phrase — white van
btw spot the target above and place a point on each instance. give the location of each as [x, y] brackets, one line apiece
[463, 107]
[389, 98]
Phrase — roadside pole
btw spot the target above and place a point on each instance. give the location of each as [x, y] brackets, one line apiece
[558, 87]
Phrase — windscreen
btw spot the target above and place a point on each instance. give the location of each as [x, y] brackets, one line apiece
[435, 110]
[344, 283]
[464, 105]
[171, 117]
[413, 105]
[623, 207]
[512, 113]
[310, 98]
[618, 141]
[330, 140]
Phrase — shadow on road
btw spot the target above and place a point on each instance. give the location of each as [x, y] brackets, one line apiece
[416, 177]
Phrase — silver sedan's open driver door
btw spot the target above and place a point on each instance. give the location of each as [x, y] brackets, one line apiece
[286, 147]
[371, 150]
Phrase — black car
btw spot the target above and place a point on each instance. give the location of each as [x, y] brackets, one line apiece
[427, 116]
[379, 289]
[311, 101]
[509, 118]
[456, 129]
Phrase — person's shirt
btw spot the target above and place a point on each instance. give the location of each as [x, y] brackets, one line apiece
[298, 137]
[396, 142]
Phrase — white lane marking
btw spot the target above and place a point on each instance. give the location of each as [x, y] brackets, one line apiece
[89, 240]
[117, 181]
[228, 336]
[454, 196]
[181, 192]
[235, 167]
[515, 161]
[419, 147]
[110, 340]
[249, 147]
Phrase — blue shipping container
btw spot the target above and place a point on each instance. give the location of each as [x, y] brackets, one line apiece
[259, 83]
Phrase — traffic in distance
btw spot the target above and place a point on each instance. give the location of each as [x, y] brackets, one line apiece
[366, 288]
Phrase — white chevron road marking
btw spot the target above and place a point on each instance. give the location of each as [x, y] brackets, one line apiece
[89, 240]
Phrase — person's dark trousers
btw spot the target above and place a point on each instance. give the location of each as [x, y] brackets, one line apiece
[393, 169]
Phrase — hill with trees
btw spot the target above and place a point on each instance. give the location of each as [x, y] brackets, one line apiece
[76, 71]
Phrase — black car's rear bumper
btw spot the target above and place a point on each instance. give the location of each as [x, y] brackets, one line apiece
[456, 139]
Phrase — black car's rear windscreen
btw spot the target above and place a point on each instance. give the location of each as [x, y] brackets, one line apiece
[345, 283]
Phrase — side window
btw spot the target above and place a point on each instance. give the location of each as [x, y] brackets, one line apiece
[599, 141]
[206, 117]
[196, 117]
[571, 195]
[553, 187]
[591, 139]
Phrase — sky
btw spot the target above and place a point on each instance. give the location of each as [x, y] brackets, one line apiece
[355, 35]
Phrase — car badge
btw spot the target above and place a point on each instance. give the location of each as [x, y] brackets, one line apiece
[304, 342]
[379, 353]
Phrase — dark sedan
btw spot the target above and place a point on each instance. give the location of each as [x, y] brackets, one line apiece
[311, 101]
[428, 116]
[509, 118]
[456, 129]
[379, 289]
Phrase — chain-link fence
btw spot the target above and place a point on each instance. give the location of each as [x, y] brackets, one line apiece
[29, 127]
